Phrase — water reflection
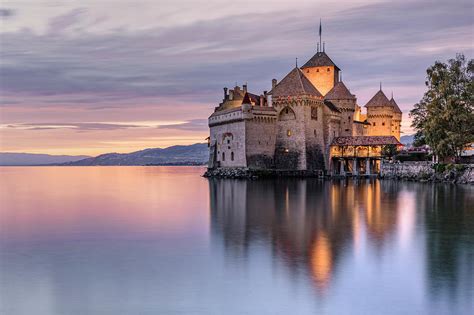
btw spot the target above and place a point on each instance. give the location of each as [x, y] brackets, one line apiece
[313, 226]
[164, 240]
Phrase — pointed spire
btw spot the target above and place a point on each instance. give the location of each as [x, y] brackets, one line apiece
[392, 95]
[320, 33]
[380, 85]
[296, 62]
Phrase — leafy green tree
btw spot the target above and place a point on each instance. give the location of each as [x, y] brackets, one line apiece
[389, 150]
[444, 117]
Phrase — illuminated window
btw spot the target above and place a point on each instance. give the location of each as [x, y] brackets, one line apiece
[288, 133]
[286, 150]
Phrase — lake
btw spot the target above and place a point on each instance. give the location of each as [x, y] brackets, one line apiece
[164, 240]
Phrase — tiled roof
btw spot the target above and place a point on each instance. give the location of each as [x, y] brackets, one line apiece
[365, 140]
[339, 92]
[379, 99]
[331, 106]
[246, 99]
[395, 106]
[319, 60]
[295, 83]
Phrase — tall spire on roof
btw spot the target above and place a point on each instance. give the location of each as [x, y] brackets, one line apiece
[320, 33]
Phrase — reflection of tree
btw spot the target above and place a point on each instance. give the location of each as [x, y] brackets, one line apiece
[450, 239]
[310, 224]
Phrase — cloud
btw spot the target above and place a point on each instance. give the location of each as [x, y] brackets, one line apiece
[75, 126]
[6, 13]
[192, 125]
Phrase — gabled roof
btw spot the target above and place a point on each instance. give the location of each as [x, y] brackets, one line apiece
[295, 83]
[320, 59]
[365, 140]
[339, 92]
[395, 106]
[379, 99]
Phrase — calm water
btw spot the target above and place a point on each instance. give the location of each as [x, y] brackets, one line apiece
[163, 240]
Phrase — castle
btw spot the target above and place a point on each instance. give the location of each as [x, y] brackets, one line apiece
[309, 121]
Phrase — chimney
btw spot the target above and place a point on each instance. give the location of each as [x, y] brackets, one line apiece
[261, 100]
[274, 83]
[245, 88]
[225, 94]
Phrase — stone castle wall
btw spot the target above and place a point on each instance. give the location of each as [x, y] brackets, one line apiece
[425, 171]
[380, 119]
[260, 139]
[229, 139]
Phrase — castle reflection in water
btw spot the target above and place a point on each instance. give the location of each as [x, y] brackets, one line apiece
[311, 225]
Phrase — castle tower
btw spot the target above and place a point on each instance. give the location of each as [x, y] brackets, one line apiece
[321, 71]
[380, 113]
[396, 120]
[300, 123]
[346, 102]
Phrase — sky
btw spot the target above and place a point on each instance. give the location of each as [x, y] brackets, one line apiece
[97, 76]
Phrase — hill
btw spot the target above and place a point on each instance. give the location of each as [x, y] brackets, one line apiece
[20, 159]
[195, 154]
[407, 140]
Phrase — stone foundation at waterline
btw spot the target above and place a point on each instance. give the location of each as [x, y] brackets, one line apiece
[425, 172]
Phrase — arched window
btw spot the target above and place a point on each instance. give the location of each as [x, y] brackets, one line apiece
[231, 156]
[288, 133]
[223, 156]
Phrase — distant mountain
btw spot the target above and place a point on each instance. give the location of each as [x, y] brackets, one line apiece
[195, 154]
[18, 159]
[407, 140]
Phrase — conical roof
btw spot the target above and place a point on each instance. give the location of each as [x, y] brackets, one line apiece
[379, 99]
[395, 106]
[339, 92]
[295, 83]
[320, 59]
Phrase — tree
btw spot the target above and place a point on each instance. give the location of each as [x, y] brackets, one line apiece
[389, 150]
[444, 117]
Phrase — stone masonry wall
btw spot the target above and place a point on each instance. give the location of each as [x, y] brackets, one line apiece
[260, 140]
[424, 171]
[230, 145]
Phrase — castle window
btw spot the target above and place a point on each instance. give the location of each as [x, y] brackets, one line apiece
[286, 111]
[374, 124]
[307, 71]
[315, 132]
[383, 124]
[231, 156]
[288, 133]
[223, 156]
[228, 141]
[317, 70]
[328, 70]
